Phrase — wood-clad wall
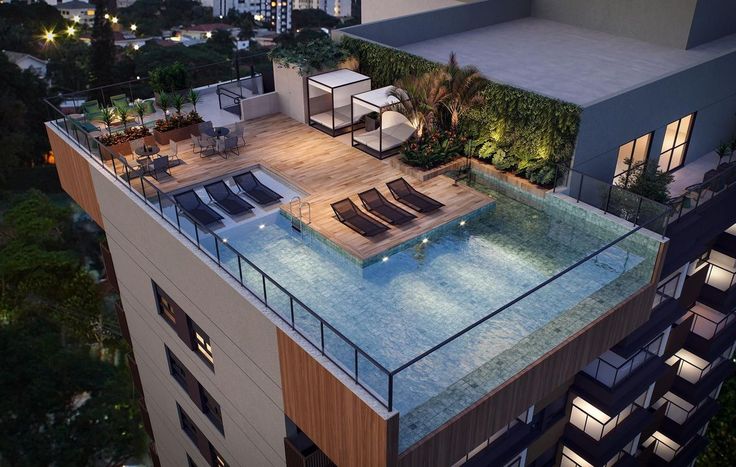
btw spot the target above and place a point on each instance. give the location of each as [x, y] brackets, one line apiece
[343, 426]
[467, 430]
[74, 174]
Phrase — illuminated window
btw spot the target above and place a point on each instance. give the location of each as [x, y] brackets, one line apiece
[674, 146]
[631, 155]
[664, 447]
[201, 343]
[166, 307]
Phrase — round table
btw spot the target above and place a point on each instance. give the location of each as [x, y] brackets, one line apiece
[147, 151]
[217, 131]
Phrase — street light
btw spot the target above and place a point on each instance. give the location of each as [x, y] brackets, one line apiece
[208, 35]
[49, 36]
[133, 27]
[76, 18]
[114, 20]
[70, 31]
[107, 15]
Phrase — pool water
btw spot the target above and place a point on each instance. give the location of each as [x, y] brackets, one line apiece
[397, 309]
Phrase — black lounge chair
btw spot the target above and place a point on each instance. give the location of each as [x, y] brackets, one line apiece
[256, 190]
[406, 194]
[377, 204]
[195, 207]
[226, 199]
[351, 215]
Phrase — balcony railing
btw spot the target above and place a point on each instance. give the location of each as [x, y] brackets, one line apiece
[692, 368]
[708, 328]
[612, 199]
[697, 195]
[595, 423]
[678, 410]
[357, 364]
[610, 374]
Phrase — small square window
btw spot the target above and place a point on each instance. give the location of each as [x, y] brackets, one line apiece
[216, 458]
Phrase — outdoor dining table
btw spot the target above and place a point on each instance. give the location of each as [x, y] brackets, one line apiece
[217, 131]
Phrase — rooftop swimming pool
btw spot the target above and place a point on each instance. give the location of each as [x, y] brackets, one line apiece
[399, 308]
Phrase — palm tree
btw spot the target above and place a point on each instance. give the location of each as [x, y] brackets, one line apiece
[464, 88]
[165, 103]
[194, 97]
[420, 98]
[108, 115]
[123, 113]
[177, 102]
[140, 109]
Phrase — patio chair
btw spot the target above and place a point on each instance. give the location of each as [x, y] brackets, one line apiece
[227, 199]
[251, 186]
[349, 214]
[136, 144]
[228, 146]
[128, 172]
[238, 132]
[174, 159]
[92, 111]
[204, 145]
[149, 107]
[377, 204]
[120, 101]
[204, 126]
[193, 205]
[159, 166]
[406, 194]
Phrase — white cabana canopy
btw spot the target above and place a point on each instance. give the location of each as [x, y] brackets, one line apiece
[394, 129]
[329, 95]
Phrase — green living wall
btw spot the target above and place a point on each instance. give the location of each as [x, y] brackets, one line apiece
[517, 130]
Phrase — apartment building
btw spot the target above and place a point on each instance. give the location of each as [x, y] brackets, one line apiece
[513, 326]
[336, 8]
[275, 14]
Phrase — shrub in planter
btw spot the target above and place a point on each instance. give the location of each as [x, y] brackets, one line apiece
[126, 135]
[178, 121]
[433, 149]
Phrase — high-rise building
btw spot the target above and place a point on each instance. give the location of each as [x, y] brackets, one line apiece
[337, 8]
[275, 14]
[289, 300]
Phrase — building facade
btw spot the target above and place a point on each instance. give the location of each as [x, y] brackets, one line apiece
[336, 8]
[526, 328]
[276, 15]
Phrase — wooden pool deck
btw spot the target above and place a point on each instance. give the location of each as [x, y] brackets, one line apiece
[327, 170]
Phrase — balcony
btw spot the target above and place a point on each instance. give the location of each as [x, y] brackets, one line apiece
[698, 377]
[663, 451]
[683, 419]
[700, 213]
[711, 333]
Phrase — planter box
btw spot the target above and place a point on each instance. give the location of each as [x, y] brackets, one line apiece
[178, 134]
[122, 148]
[422, 174]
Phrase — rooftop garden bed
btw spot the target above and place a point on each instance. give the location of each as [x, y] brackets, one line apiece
[515, 130]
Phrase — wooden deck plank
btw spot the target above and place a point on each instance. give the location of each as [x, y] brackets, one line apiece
[327, 170]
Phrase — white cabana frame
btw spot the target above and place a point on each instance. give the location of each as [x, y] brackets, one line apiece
[329, 99]
[394, 129]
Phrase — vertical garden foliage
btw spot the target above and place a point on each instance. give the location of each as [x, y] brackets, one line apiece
[517, 130]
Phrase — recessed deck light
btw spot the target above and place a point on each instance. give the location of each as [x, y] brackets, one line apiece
[384, 259]
[425, 240]
[462, 223]
[224, 240]
[262, 226]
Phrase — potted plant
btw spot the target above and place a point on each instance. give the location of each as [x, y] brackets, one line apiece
[177, 102]
[140, 109]
[123, 113]
[194, 97]
[165, 103]
[108, 115]
[371, 121]
[179, 126]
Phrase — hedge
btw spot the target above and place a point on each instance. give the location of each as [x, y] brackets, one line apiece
[519, 131]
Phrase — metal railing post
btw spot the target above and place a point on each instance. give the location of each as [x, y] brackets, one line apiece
[390, 392]
[638, 210]
[355, 349]
[217, 250]
[263, 280]
[322, 335]
[608, 198]
[240, 269]
[580, 187]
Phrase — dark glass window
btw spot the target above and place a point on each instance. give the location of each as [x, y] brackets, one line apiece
[190, 461]
[176, 368]
[216, 458]
[211, 408]
[187, 425]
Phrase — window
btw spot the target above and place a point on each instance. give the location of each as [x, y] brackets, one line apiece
[631, 155]
[190, 462]
[211, 408]
[674, 146]
[166, 307]
[187, 425]
[176, 368]
[216, 458]
[201, 343]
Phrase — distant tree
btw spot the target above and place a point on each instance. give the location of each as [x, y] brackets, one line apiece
[721, 450]
[312, 18]
[153, 16]
[222, 42]
[69, 65]
[22, 115]
[244, 21]
[102, 51]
